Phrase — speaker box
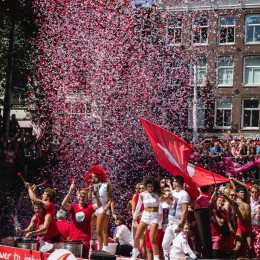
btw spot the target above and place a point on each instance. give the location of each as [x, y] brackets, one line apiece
[99, 255]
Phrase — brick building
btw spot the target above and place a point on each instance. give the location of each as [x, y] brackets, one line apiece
[224, 35]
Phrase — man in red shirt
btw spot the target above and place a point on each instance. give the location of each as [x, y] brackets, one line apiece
[46, 224]
[81, 213]
[64, 227]
[48, 197]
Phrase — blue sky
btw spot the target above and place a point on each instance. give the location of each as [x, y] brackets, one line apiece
[145, 3]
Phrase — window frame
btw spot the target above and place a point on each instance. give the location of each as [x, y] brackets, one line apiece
[220, 26]
[194, 27]
[251, 109]
[244, 72]
[215, 114]
[246, 26]
[199, 67]
[225, 67]
[173, 27]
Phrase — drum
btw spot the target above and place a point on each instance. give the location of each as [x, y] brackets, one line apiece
[28, 244]
[75, 247]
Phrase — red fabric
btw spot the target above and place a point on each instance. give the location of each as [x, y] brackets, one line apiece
[169, 150]
[244, 228]
[159, 239]
[52, 231]
[203, 177]
[227, 242]
[80, 222]
[215, 228]
[64, 229]
[136, 201]
[50, 209]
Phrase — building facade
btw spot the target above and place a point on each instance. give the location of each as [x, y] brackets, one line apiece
[225, 38]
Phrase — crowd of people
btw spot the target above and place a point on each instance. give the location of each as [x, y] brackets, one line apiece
[227, 156]
[162, 213]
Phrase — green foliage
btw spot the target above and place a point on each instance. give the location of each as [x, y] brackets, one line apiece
[21, 14]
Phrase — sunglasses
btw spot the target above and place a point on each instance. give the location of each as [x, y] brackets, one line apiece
[254, 191]
[141, 188]
[233, 195]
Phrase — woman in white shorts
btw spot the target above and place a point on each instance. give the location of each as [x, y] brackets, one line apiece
[103, 189]
[150, 216]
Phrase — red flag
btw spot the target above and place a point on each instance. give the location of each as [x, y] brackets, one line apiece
[173, 154]
[203, 177]
[169, 150]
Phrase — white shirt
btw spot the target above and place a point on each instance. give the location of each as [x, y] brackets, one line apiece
[150, 200]
[255, 205]
[180, 247]
[175, 210]
[123, 234]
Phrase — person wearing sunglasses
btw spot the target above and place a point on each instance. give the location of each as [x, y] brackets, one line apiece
[139, 188]
[122, 236]
[255, 220]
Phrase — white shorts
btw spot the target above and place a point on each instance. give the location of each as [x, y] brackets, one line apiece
[100, 210]
[150, 217]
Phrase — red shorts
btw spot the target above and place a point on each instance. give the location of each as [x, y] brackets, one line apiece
[244, 228]
[159, 239]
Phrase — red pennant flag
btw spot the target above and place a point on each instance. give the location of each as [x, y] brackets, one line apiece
[173, 154]
[203, 177]
[169, 150]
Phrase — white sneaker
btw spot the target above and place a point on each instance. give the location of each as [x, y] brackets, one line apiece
[135, 253]
[156, 257]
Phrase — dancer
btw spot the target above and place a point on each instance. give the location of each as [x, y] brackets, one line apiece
[80, 225]
[150, 216]
[103, 189]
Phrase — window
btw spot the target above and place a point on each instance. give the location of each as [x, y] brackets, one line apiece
[253, 28]
[174, 31]
[223, 109]
[252, 71]
[200, 30]
[200, 114]
[225, 71]
[201, 67]
[250, 114]
[226, 29]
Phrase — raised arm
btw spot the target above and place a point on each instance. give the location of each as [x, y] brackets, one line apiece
[138, 207]
[65, 203]
[213, 197]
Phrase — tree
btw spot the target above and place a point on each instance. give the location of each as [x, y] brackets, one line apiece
[17, 34]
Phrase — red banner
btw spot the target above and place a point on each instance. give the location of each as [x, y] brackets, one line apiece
[14, 253]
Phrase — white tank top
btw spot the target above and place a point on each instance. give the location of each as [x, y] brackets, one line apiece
[150, 200]
[101, 190]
